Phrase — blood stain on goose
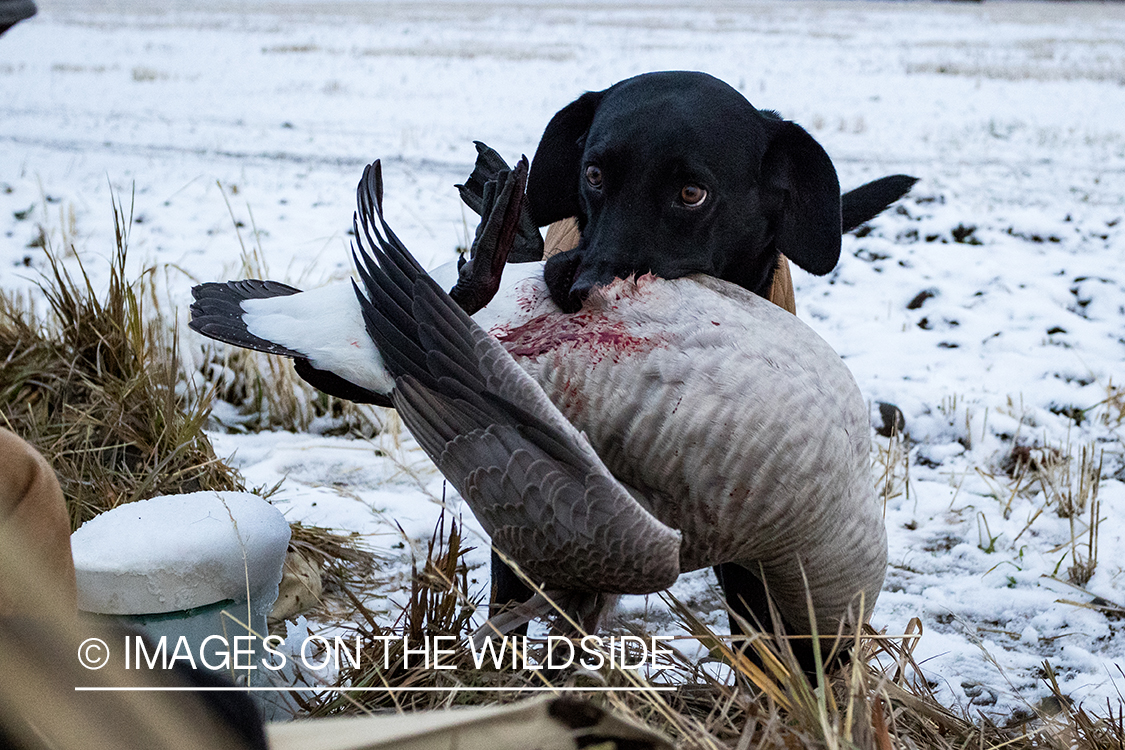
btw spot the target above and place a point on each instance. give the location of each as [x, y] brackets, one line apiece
[595, 332]
[598, 328]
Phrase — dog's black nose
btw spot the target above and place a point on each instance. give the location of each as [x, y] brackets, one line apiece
[579, 290]
[559, 274]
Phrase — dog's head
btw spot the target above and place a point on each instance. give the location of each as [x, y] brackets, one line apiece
[677, 173]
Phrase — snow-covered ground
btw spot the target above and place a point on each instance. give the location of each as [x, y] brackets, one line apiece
[1008, 112]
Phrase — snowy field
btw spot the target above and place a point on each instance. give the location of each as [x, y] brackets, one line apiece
[1008, 112]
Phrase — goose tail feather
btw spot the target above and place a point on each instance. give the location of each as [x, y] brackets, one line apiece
[217, 312]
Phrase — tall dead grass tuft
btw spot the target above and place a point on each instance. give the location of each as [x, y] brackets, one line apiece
[96, 386]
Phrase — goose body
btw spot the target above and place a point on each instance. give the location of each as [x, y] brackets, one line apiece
[729, 418]
[665, 427]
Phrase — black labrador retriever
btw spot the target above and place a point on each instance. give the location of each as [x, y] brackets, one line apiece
[677, 173]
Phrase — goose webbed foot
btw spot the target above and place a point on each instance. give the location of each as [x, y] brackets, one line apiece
[501, 207]
[528, 243]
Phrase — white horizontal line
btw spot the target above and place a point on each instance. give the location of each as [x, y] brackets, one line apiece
[322, 688]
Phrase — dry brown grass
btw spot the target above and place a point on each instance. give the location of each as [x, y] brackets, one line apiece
[878, 701]
[267, 394]
[97, 385]
[1113, 407]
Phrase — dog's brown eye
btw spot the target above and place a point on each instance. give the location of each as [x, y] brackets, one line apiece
[594, 176]
[693, 195]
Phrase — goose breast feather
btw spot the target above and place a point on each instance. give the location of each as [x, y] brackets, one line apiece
[733, 420]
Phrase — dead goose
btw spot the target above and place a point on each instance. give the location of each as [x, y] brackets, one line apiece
[666, 427]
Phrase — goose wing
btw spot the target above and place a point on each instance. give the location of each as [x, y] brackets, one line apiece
[217, 312]
[529, 476]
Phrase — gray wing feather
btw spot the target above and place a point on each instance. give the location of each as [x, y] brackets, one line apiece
[529, 476]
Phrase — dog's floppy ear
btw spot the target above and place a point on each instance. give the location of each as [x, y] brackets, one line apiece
[803, 183]
[552, 185]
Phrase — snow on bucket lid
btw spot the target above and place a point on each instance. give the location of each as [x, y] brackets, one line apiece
[177, 552]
